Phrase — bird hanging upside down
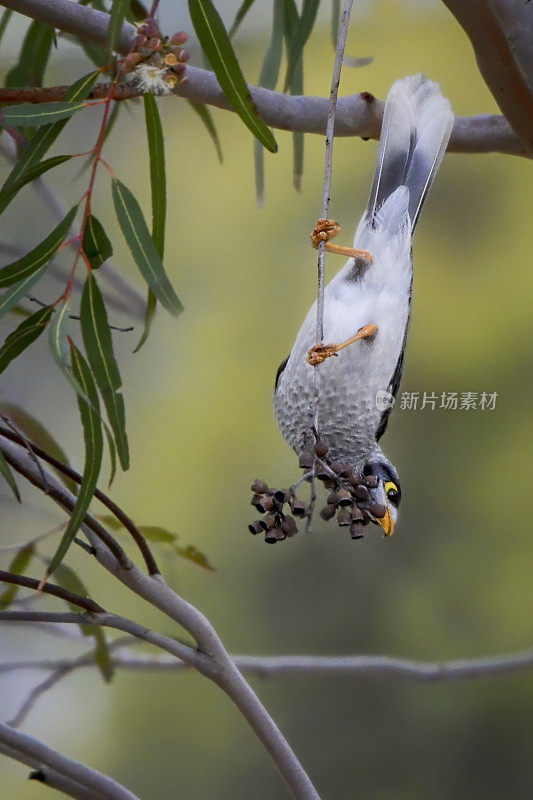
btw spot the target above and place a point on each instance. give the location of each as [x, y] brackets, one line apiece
[367, 304]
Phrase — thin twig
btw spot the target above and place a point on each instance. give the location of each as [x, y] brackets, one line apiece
[33, 299]
[52, 589]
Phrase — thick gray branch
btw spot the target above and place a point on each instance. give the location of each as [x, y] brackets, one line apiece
[357, 115]
[73, 775]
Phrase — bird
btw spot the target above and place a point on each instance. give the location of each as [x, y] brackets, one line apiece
[342, 393]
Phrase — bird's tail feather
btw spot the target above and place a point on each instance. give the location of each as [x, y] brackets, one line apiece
[417, 123]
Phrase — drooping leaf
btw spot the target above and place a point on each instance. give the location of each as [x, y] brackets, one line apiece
[94, 52]
[4, 21]
[269, 78]
[94, 443]
[7, 194]
[68, 579]
[218, 48]
[143, 250]
[149, 314]
[26, 333]
[22, 274]
[205, 115]
[34, 115]
[45, 137]
[296, 88]
[119, 9]
[99, 348]
[158, 535]
[300, 36]
[37, 433]
[242, 11]
[158, 183]
[18, 565]
[96, 244]
[5, 471]
[33, 58]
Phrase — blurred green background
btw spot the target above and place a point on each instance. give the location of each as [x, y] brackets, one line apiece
[455, 580]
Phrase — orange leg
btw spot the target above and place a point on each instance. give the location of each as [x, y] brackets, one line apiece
[326, 229]
[320, 352]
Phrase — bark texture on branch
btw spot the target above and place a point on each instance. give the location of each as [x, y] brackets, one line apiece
[357, 115]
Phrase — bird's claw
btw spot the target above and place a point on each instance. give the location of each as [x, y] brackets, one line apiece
[320, 352]
[326, 229]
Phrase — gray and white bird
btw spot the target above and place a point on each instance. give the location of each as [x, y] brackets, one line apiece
[367, 304]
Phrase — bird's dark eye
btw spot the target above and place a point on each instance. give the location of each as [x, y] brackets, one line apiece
[392, 492]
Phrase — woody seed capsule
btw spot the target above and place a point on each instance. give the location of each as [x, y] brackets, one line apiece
[321, 449]
[265, 504]
[371, 481]
[345, 497]
[361, 492]
[306, 460]
[344, 517]
[289, 526]
[259, 487]
[256, 527]
[356, 530]
[328, 512]
[378, 510]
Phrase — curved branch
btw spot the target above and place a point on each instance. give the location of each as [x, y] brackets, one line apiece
[72, 773]
[357, 115]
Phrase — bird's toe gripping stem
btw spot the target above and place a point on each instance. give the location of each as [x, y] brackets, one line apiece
[320, 352]
[326, 229]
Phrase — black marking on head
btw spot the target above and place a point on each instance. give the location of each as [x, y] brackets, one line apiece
[385, 471]
[280, 370]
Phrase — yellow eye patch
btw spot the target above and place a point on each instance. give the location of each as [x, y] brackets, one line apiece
[391, 489]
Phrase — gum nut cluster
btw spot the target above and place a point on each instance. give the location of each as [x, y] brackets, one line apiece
[349, 499]
[156, 65]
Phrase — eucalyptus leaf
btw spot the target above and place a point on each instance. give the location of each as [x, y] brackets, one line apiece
[34, 115]
[300, 36]
[9, 192]
[239, 16]
[18, 565]
[99, 348]
[119, 9]
[26, 333]
[33, 58]
[158, 175]
[219, 50]
[143, 250]
[5, 471]
[205, 115]
[96, 244]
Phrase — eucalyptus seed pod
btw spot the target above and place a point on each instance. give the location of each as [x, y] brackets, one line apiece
[257, 527]
[378, 510]
[355, 479]
[282, 496]
[259, 487]
[344, 517]
[362, 493]
[299, 508]
[357, 514]
[279, 534]
[345, 497]
[341, 468]
[371, 481]
[256, 498]
[321, 449]
[333, 498]
[289, 526]
[323, 473]
[265, 504]
[270, 521]
[306, 459]
[328, 512]
[356, 530]
[270, 536]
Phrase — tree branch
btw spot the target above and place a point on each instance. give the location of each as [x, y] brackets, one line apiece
[357, 115]
[211, 657]
[59, 771]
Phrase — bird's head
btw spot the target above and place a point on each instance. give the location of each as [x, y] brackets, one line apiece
[388, 491]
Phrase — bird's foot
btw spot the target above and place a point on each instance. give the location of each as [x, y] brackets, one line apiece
[326, 229]
[320, 352]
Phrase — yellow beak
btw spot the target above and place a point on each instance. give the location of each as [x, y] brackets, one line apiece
[387, 523]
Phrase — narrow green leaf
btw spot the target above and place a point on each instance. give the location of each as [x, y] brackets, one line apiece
[94, 52]
[37, 433]
[5, 471]
[99, 348]
[239, 16]
[68, 579]
[218, 48]
[4, 21]
[156, 150]
[36, 258]
[18, 565]
[94, 443]
[296, 88]
[7, 194]
[119, 9]
[143, 250]
[158, 535]
[22, 274]
[96, 244]
[26, 333]
[33, 115]
[33, 58]
[205, 115]
[268, 78]
[45, 137]
[149, 314]
[301, 35]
